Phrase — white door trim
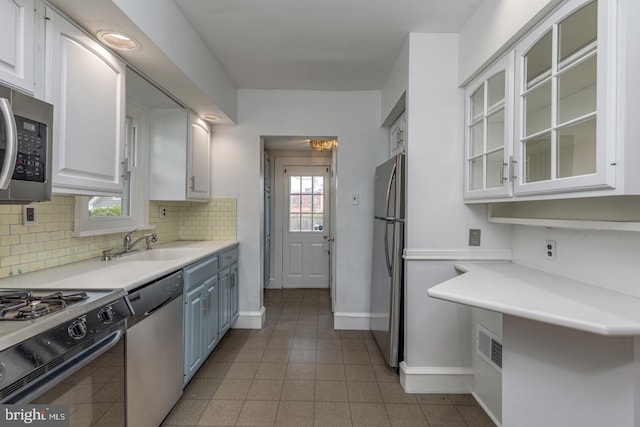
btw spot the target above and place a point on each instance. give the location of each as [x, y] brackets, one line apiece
[277, 192]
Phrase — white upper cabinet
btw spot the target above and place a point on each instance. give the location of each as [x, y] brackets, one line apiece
[567, 125]
[18, 46]
[180, 156]
[562, 104]
[199, 160]
[88, 93]
[489, 132]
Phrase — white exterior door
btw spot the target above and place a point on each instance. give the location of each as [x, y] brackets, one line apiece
[305, 227]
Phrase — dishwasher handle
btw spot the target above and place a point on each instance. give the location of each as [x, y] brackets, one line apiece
[150, 298]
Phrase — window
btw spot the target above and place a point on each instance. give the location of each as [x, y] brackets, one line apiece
[306, 203]
[109, 214]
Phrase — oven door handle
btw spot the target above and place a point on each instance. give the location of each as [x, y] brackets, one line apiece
[67, 368]
[9, 162]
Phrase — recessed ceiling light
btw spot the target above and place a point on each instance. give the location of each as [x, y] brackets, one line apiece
[210, 117]
[118, 40]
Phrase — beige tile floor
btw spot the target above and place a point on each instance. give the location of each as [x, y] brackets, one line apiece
[299, 371]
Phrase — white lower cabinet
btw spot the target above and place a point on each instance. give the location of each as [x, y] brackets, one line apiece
[88, 93]
[210, 306]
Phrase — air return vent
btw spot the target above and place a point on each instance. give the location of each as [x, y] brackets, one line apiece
[489, 347]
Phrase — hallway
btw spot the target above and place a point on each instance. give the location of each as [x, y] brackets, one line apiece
[299, 371]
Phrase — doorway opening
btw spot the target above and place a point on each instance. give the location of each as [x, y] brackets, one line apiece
[298, 214]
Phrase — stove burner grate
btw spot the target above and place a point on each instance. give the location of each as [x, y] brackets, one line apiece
[29, 305]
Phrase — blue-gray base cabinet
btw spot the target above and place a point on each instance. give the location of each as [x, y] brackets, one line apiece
[210, 306]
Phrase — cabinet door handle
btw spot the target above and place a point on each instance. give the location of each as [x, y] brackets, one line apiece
[512, 168]
[193, 183]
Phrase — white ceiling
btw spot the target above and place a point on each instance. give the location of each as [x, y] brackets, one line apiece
[330, 45]
[316, 45]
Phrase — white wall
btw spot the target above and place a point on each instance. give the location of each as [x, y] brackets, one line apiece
[438, 334]
[395, 86]
[494, 24]
[354, 117]
[184, 47]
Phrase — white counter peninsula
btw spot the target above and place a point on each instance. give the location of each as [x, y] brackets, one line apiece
[571, 352]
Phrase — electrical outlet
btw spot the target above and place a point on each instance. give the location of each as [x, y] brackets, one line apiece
[29, 214]
[550, 248]
[162, 212]
[474, 237]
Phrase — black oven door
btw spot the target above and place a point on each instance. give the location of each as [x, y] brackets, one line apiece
[92, 387]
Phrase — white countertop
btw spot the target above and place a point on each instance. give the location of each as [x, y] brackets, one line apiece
[533, 294]
[119, 273]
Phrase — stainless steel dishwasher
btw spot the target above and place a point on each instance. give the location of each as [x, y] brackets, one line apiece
[154, 351]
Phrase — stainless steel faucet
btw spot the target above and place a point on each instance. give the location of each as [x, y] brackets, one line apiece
[129, 244]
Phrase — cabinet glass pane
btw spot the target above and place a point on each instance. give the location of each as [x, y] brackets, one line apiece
[495, 169]
[538, 61]
[537, 105]
[495, 89]
[537, 154]
[495, 130]
[576, 33]
[577, 91]
[577, 149]
[477, 139]
[476, 172]
[477, 103]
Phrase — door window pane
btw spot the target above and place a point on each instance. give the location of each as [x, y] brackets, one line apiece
[538, 61]
[307, 184]
[495, 167]
[576, 34]
[306, 203]
[577, 91]
[577, 149]
[294, 185]
[318, 185]
[538, 109]
[538, 159]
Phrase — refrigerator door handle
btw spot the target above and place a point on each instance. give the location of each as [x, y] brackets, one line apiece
[386, 249]
[389, 218]
[386, 226]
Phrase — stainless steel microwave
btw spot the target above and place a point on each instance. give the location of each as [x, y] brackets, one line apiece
[26, 125]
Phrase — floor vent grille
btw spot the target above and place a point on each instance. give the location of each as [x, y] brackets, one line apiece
[489, 347]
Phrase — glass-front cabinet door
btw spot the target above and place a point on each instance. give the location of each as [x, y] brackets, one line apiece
[489, 132]
[561, 107]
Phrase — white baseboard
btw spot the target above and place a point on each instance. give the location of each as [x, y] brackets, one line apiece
[250, 319]
[486, 410]
[427, 379]
[355, 321]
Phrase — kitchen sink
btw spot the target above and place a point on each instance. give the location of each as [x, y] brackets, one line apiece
[164, 254]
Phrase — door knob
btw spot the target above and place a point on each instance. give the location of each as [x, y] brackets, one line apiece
[325, 237]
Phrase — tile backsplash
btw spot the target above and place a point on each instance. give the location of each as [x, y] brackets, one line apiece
[50, 243]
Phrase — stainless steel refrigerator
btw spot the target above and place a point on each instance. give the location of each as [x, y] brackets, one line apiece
[387, 269]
